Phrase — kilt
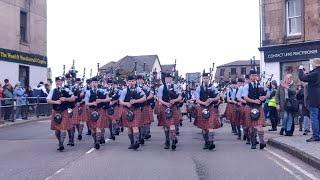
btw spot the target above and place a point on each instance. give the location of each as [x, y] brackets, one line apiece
[157, 108]
[147, 115]
[101, 122]
[174, 120]
[76, 117]
[242, 116]
[238, 115]
[248, 122]
[64, 125]
[230, 112]
[137, 118]
[212, 123]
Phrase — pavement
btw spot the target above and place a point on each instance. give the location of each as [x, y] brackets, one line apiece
[28, 151]
[22, 121]
[297, 146]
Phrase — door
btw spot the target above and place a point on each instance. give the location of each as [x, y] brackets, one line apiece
[24, 75]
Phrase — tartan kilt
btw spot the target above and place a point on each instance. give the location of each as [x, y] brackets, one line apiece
[212, 123]
[242, 115]
[175, 120]
[136, 121]
[248, 122]
[101, 122]
[76, 117]
[64, 125]
[157, 108]
[230, 113]
[238, 115]
[105, 119]
[147, 115]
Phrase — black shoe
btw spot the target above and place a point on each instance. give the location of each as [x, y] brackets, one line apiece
[142, 141]
[281, 131]
[173, 146]
[70, 144]
[121, 129]
[262, 145]
[97, 146]
[113, 137]
[102, 141]
[147, 137]
[61, 148]
[79, 137]
[288, 134]
[244, 137]
[167, 145]
[136, 146]
[131, 146]
[206, 145]
[211, 146]
[312, 139]
[248, 142]
[89, 133]
[253, 146]
[305, 133]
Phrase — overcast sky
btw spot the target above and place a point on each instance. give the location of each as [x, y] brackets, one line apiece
[195, 32]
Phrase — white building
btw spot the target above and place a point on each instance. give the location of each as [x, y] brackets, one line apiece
[23, 41]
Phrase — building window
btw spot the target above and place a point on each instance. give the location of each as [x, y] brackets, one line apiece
[23, 26]
[233, 71]
[221, 72]
[293, 17]
[243, 71]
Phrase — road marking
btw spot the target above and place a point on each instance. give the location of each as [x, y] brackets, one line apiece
[43, 121]
[309, 175]
[90, 151]
[285, 168]
[56, 173]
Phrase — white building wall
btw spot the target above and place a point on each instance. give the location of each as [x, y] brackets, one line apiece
[11, 71]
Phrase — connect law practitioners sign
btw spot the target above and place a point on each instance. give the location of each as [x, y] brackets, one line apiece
[23, 58]
[292, 52]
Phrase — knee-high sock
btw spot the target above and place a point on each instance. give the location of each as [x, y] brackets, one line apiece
[131, 138]
[239, 130]
[71, 134]
[136, 137]
[80, 128]
[94, 137]
[205, 136]
[173, 135]
[103, 131]
[261, 136]
[148, 129]
[166, 132]
[58, 134]
[253, 136]
[62, 137]
[111, 129]
[98, 137]
[210, 136]
[114, 127]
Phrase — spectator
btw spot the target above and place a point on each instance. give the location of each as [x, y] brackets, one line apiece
[30, 100]
[272, 104]
[300, 99]
[1, 99]
[313, 98]
[8, 101]
[286, 103]
[21, 101]
[41, 93]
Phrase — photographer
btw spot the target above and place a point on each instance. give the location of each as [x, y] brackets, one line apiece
[313, 98]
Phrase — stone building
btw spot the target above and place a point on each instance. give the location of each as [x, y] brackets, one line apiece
[290, 34]
[23, 41]
[235, 69]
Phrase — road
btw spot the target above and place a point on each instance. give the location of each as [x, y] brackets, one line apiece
[29, 152]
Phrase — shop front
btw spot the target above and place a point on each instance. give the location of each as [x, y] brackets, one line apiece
[283, 59]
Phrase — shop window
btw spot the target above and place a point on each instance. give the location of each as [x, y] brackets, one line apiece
[243, 71]
[222, 72]
[293, 17]
[233, 71]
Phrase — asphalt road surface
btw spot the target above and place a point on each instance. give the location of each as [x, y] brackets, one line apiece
[29, 152]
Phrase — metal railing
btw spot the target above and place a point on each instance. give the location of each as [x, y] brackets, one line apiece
[24, 108]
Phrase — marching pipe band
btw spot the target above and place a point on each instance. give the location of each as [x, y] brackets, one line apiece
[103, 103]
